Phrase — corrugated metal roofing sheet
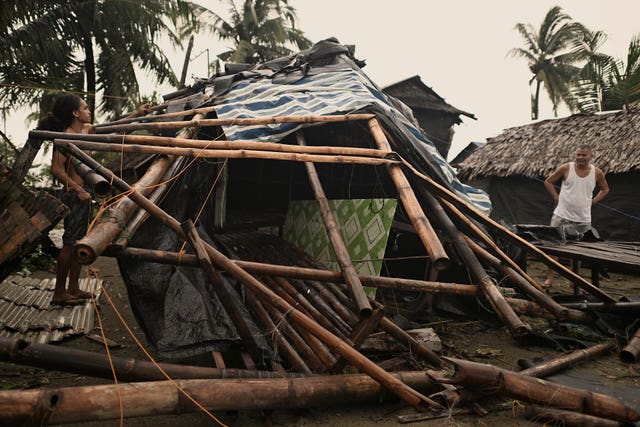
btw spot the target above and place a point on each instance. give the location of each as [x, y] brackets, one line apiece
[26, 312]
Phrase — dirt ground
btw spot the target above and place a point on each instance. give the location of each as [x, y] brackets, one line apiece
[465, 338]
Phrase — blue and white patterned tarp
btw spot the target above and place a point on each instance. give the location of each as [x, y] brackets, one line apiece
[345, 91]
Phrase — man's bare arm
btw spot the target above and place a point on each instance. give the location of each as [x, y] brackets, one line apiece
[553, 178]
[602, 185]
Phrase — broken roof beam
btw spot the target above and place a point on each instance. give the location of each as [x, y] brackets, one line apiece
[209, 153]
[437, 254]
[166, 141]
[393, 384]
[233, 122]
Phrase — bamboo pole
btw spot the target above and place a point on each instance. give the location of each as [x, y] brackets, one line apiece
[446, 194]
[427, 234]
[490, 379]
[280, 343]
[560, 312]
[233, 122]
[46, 356]
[557, 417]
[223, 291]
[619, 307]
[349, 273]
[228, 154]
[165, 141]
[407, 394]
[96, 241]
[631, 351]
[303, 273]
[102, 402]
[491, 244]
[504, 311]
[155, 117]
[140, 215]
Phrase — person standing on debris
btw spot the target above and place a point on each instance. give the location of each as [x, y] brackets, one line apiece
[71, 114]
[572, 214]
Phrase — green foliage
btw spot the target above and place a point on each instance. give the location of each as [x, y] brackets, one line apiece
[85, 46]
[260, 30]
[37, 259]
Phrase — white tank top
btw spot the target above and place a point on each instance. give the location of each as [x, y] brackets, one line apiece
[576, 193]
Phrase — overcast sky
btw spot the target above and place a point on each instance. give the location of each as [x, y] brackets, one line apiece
[458, 48]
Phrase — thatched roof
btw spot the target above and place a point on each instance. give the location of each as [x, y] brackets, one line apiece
[537, 149]
[416, 94]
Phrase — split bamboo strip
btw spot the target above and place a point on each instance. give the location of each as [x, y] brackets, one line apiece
[233, 122]
[223, 291]
[97, 240]
[227, 154]
[101, 402]
[478, 275]
[490, 379]
[349, 273]
[428, 236]
[304, 273]
[166, 141]
[446, 194]
[405, 393]
[46, 356]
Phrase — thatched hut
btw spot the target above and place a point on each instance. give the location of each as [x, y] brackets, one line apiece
[435, 116]
[513, 165]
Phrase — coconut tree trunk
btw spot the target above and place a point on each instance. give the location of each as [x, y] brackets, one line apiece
[90, 73]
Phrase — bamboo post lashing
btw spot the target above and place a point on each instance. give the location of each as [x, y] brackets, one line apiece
[165, 141]
[480, 377]
[280, 344]
[407, 394]
[558, 417]
[504, 311]
[303, 273]
[560, 312]
[198, 122]
[97, 240]
[490, 243]
[228, 154]
[361, 301]
[223, 291]
[467, 207]
[631, 351]
[427, 234]
[103, 402]
[88, 363]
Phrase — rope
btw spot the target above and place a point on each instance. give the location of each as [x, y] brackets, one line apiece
[148, 355]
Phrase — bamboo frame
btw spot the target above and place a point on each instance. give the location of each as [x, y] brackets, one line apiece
[407, 394]
[428, 236]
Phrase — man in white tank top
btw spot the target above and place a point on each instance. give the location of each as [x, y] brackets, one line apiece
[572, 214]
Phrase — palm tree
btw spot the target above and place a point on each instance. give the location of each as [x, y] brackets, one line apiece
[551, 53]
[622, 84]
[85, 46]
[260, 30]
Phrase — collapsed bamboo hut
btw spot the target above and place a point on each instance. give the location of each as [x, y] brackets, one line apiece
[289, 212]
